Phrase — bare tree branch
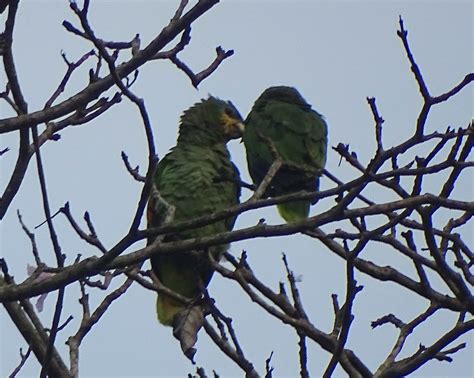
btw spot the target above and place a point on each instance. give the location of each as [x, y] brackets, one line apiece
[23, 359]
[422, 223]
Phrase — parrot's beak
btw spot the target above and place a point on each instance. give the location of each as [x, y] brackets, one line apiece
[234, 128]
[241, 127]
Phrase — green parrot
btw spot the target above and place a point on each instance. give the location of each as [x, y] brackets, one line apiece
[197, 178]
[282, 124]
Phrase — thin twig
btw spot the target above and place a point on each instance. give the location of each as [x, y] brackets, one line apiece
[71, 67]
[134, 172]
[403, 34]
[267, 180]
[31, 236]
[57, 252]
[196, 79]
[24, 358]
[225, 347]
[378, 124]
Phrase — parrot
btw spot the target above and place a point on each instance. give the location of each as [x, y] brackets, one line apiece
[196, 178]
[281, 124]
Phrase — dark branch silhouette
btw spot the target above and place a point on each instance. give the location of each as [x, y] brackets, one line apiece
[408, 224]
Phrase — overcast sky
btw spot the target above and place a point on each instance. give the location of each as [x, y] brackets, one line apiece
[336, 53]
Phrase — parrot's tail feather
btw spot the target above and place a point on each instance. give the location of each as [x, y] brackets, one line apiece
[294, 211]
[167, 308]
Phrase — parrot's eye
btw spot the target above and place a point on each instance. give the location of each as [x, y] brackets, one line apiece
[229, 112]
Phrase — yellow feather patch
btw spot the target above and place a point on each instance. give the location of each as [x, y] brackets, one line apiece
[233, 128]
[166, 309]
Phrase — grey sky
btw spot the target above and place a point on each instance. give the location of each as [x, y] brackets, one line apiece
[336, 54]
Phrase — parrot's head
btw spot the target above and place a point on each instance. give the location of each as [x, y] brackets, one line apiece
[219, 119]
[282, 94]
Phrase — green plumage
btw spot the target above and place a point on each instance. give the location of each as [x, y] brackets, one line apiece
[282, 121]
[198, 178]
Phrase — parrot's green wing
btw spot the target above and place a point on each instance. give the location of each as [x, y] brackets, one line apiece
[281, 124]
[197, 178]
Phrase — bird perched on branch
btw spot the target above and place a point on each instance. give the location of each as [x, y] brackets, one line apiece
[195, 178]
[282, 125]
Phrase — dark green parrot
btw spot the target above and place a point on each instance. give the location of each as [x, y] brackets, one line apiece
[281, 123]
[197, 178]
